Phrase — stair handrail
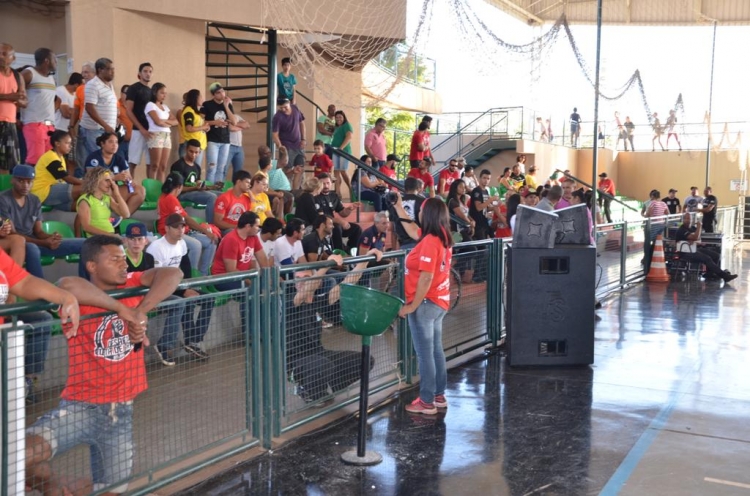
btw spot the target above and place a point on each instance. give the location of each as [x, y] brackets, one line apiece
[600, 192]
[375, 172]
[483, 114]
[263, 69]
[437, 169]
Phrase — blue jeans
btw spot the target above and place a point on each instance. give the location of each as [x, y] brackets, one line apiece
[216, 161]
[232, 286]
[87, 141]
[378, 200]
[122, 150]
[107, 428]
[201, 251]
[37, 341]
[193, 329]
[34, 252]
[426, 326]
[207, 198]
[236, 157]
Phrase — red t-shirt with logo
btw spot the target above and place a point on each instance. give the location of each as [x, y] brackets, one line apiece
[232, 247]
[322, 164]
[449, 178]
[232, 207]
[102, 366]
[388, 171]
[430, 256]
[166, 206]
[10, 275]
[426, 177]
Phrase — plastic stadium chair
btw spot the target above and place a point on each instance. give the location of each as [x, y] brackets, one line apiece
[5, 182]
[53, 226]
[153, 192]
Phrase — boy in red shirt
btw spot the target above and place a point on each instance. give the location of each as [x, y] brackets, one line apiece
[320, 160]
[232, 203]
[106, 371]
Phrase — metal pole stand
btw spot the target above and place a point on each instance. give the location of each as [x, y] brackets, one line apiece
[361, 456]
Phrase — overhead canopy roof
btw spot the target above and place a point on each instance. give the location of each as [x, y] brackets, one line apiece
[639, 12]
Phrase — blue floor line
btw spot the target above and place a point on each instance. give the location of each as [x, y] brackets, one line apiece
[627, 467]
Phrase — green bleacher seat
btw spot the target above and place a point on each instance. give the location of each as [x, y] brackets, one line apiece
[55, 226]
[153, 192]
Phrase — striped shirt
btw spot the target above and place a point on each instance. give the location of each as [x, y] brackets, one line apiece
[657, 208]
[103, 97]
[41, 94]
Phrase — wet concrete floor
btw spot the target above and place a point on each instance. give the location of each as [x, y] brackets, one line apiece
[664, 410]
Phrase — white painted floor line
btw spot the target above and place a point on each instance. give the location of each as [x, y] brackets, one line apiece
[727, 483]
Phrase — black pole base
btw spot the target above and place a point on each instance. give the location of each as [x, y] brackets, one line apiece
[370, 458]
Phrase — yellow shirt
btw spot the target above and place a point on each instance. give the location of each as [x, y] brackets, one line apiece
[531, 181]
[261, 205]
[197, 122]
[50, 169]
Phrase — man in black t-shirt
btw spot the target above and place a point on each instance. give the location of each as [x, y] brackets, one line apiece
[316, 245]
[480, 202]
[708, 209]
[687, 239]
[330, 204]
[575, 127]
[136, 98]
[219, 114]
[672, 203]
[194, 190]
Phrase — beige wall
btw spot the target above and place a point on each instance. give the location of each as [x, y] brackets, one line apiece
[358, 17]
[27, 31]
[404, 96]
[640, 172]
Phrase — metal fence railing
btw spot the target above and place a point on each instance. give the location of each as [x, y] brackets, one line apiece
[279, 357]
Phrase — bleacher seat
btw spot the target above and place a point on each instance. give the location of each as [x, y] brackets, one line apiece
[153, 192]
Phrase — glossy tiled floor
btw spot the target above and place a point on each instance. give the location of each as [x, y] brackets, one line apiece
[665, 410]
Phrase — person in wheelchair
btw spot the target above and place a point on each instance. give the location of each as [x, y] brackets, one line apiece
[686, 244]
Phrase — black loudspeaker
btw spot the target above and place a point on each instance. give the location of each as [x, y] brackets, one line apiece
[549, 314]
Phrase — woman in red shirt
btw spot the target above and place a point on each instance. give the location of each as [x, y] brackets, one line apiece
[201, 240]
[427, 283]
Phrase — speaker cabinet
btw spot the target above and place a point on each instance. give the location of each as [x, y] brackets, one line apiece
[550, 306]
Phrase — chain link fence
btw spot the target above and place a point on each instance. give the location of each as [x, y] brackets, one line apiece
[276, 358]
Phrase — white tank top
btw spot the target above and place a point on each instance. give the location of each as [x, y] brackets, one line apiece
[41, 94]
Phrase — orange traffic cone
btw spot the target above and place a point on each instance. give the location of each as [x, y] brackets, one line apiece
[658, 271]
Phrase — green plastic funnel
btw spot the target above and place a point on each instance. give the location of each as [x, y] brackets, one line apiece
[367, 312]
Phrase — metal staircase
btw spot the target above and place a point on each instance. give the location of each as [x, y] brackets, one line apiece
[238, 58]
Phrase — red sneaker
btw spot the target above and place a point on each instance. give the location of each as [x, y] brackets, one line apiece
[419, 406]
[440, 401]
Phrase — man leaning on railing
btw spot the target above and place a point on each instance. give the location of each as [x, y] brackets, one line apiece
[106, 371]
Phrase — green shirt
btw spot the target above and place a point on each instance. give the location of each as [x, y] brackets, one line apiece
[329, 125]
[339, 135]
[100, 212]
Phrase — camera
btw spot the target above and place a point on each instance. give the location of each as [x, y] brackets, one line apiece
[392, 197]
